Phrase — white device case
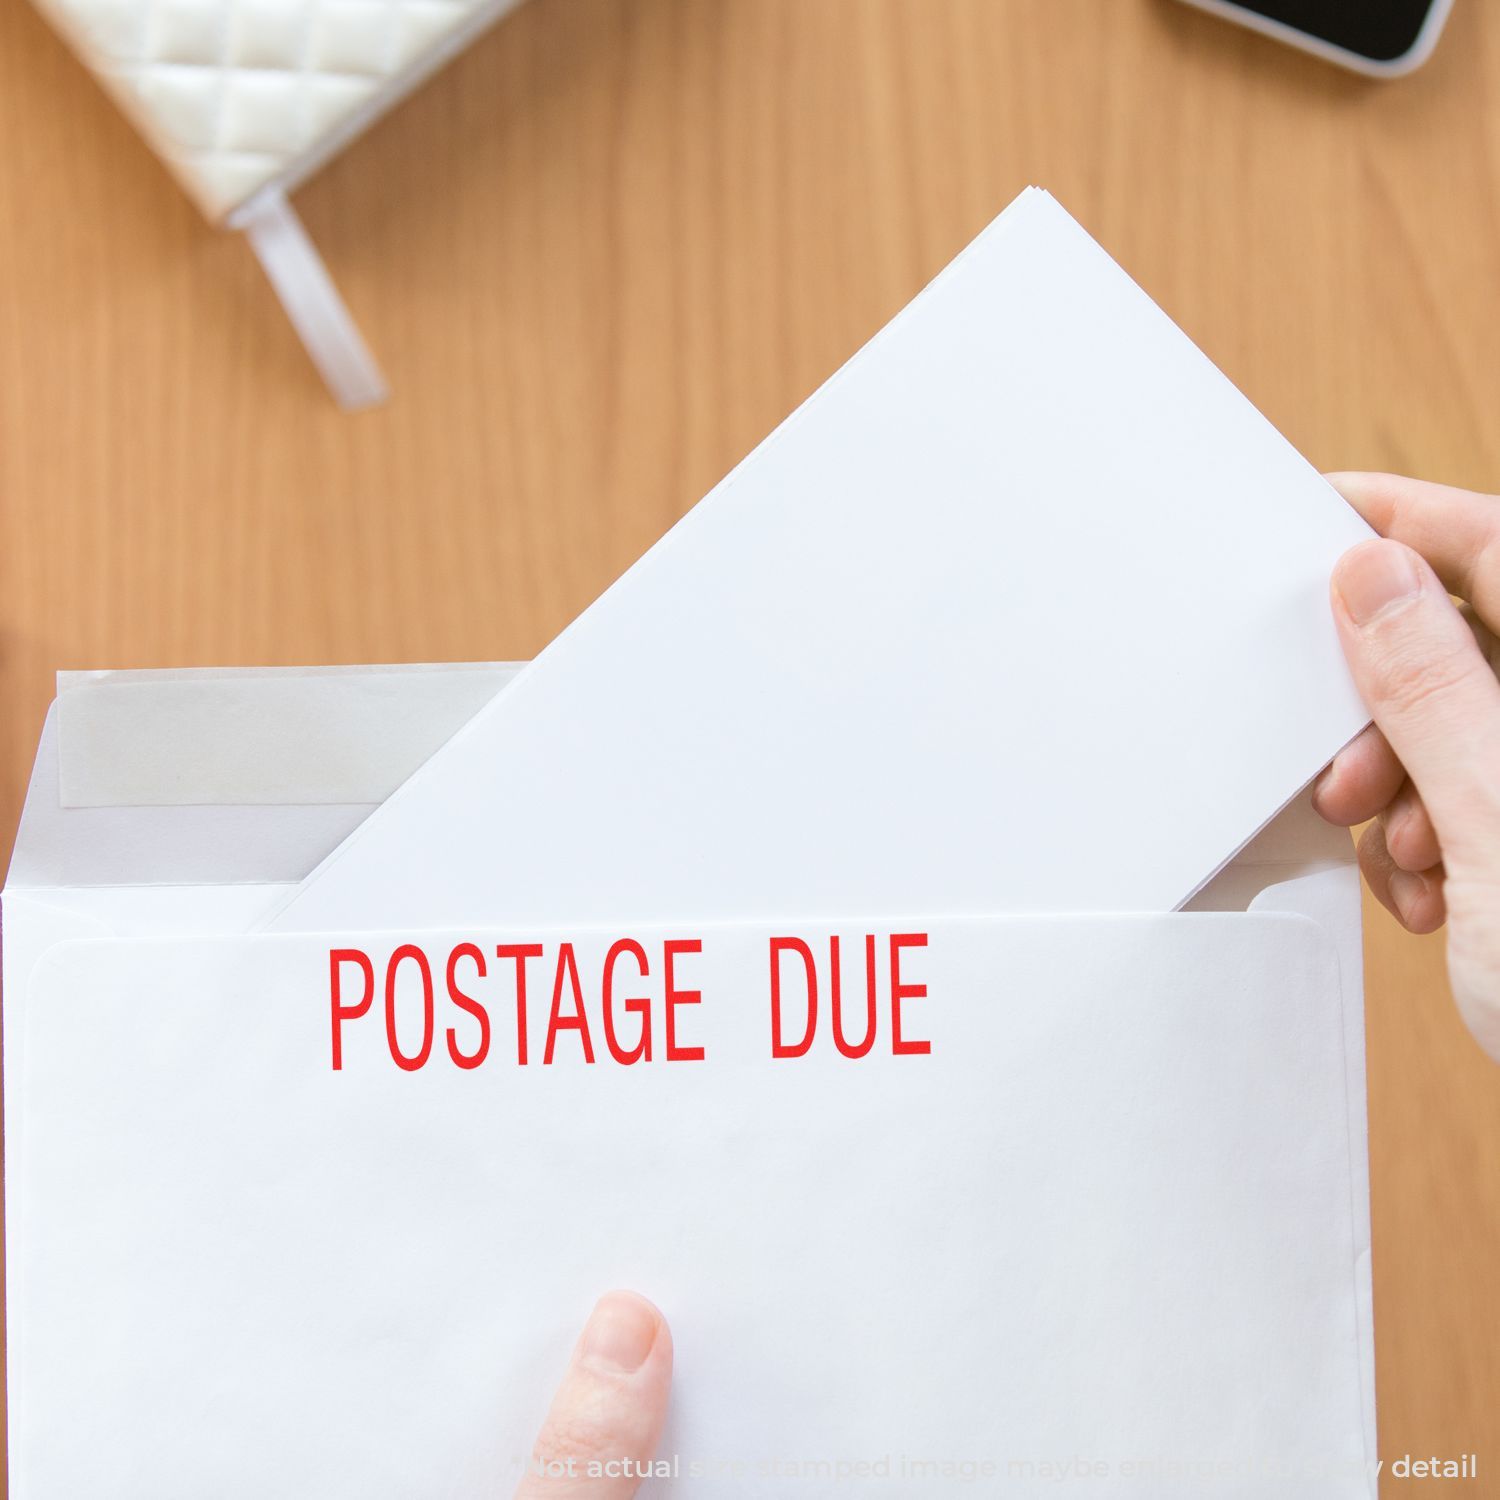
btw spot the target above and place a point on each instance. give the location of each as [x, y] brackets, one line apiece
[244, 99]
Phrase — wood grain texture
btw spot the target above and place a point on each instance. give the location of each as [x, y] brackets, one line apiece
[607, 249]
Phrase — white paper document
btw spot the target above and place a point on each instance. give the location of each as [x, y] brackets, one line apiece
[1025, 610]
[1040, 1191]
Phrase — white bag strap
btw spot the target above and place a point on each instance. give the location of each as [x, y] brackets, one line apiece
[311, 300]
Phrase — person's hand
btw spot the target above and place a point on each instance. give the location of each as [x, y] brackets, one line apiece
[607, 1415]
[1428, 769]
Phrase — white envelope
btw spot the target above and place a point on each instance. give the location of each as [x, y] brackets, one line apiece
[233, 1271]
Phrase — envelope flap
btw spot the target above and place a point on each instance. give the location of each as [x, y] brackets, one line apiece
[227, 775]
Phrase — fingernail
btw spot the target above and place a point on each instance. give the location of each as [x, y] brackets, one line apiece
[1373, 577]
[1407, 889]
[620, 1332]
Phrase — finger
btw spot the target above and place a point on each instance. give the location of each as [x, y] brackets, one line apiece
[1363, 778]
[1429, 689]
[607, 1415]
[1409, 834]
[1365, 775]
[1457, 531]
[1414, 898]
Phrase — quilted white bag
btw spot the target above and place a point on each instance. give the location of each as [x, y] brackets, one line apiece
[243, 99]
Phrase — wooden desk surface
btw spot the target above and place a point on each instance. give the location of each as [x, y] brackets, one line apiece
[607, 249]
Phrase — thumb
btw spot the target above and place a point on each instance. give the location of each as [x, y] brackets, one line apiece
[1428, 687]
[607, 1415]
